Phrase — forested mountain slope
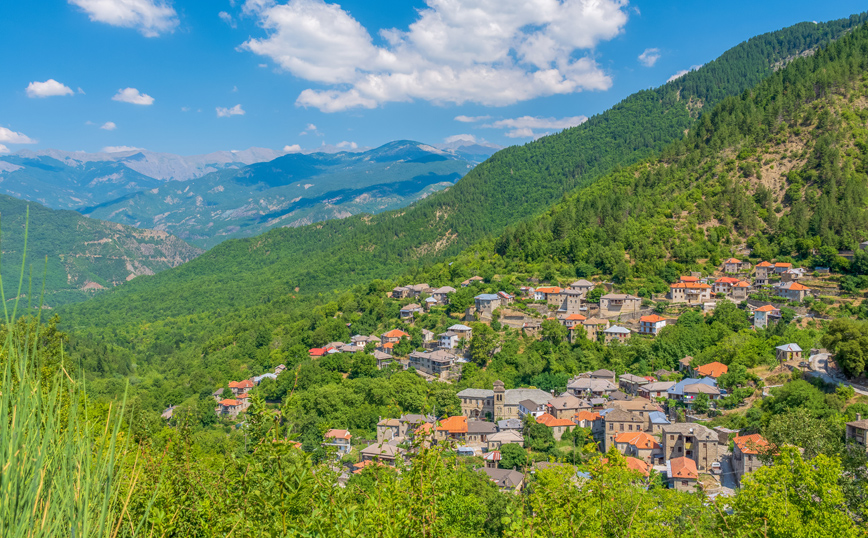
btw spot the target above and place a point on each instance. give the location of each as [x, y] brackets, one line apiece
[514, 184]
[83, 255]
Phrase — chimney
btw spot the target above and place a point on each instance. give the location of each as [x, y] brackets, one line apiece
[858, 417]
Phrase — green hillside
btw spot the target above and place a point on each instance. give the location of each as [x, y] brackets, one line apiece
[516, 183]
[83, 255]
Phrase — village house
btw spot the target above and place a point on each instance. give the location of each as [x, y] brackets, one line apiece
[693, 441]
[542, 293]
[531, 407]
[723, 285]
[689, 292]
[603, 373]
[616, 332]
[382, 452]
[592, 421]
[782, 268]
[416, 290]
[400, 292]
[684, 364]
[679, 391]
[230, 407]
[569, 302]
[618, 421]
[640, 445]
[432, 362]
[573, 320]
[740, 291]
[651, 324]
[449, 340]
[240, 387]
[498, 403]
[478, 432]
[339, 440]
[733, 265]
[451, 428]
[655, 390]
[712, 369]
[658, 421]
[558, 426]
[388, 429]
[505, 479]
[582, 286]
[765, 314]
[791, 275]
[788, 352]
[441, 295]
[383, 359]
[566, 406]
[471, 280]
[857, 432]
[584, 386]
[615, 304]
[791, 291]
[487, 302]
[745, 454]
[662, 373]
[392, 337]
[640, 407]
[691, 392]
[594, 328]
[682, 474]
[505, 437]
[761, 276]
[429, 303]
[630, 383]
[409, 311]
[401, 428]
[463, 331]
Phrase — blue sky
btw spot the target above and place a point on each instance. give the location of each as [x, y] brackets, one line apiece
[176, 76]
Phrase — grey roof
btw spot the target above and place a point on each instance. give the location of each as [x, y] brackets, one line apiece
[630, 378]
[459, 327]
[789, 347]
[448, 333]
[582, 283]
[444, 289]
[514, 396]
[597, 401]
[481, 426]
[507, 436]
[602, 372]
[504, 478]
[701, 387]
[476, 393]
[509, 424]
[685, 428]
[678, 388]
[617, 329]
[566, 401]
[659, 386]
[411, 306]
[529, 404]
[619, 296]
[592, 384]
[617, 395]
[382, 450]
[658, 417]
[619, 415]
[418, 419]
[430, 300]
[487, 297]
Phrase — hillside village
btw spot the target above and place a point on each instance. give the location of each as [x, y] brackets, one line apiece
[656, 422]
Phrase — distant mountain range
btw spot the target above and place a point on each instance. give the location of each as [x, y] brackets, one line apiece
[209, 198]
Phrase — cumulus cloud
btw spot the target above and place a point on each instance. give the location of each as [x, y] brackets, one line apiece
[471, 119]
[492, 52]
[223, 112]
[150, 17]
[683, 72]
[11, 137]
[346, 145]
[132, 95]
[460, 138]
[227, 18]
[310, 129]
[295, 148]
[524, 127]
[3, 149]
[49, 88]
[109, 126]
[120, 149]
[649, 57]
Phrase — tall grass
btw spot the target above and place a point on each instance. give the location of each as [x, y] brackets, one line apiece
[58, 470]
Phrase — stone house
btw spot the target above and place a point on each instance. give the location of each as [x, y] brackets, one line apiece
[409, 311]
[471, 280]
[543, 293]
[761, 276]
[655, 390]
[573, 320]
[788, 352]
[723, 285]
[594, 328]
[791, 291]
[693, 441]
[615, 304]
[765, 314]
[745, 454]
[393, 337]
[240, 387]
[593, 421]
[498, 403]
[230, 407]
[582, 286]
[782, 267]
[689, 292]
[506, 437]
[531, 407]
[566, 406]
[857, 432]
[558, 426]
[400, 292]
[442, 294]
[463, 331]
[682, 474]
[740, 291]
[640, 445]
[506, 480]
[449, 340]
[734, 265]
[432, 362]
[630, 383]
[487, 302]
[616, 333]
[584, 386]
[617, 422]
[383, 453]
[478, 432]
[603, 373]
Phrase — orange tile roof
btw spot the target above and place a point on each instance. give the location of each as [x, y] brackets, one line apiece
[233, 384]
[741, 284]
[766, 308]
[783, 265]
[726, 280]
[246, 384]
[690, 285]
[640, 440]
[712, 369]
[367, 463]
[243, 396]
[798, 287]
[653, 318]
[732, 260]
[396, 333]
[549, 420]
[228, 402]
[750, 444]
[588, 415]
[338, 434]
[389, 345]
[456, 424]
[634, 464]
[426, 427]
[683, 468]
[689, 279]
[577, 317]
[553, 289]
[764, 264]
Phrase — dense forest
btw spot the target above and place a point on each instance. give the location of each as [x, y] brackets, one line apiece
[514, 184]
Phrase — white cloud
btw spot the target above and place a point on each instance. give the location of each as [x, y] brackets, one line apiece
[493, 52]
[185, 109]
[346, 145]
[227, 18]
[120, 149]
[49, 88]
[310, 129]
[524, 126]
[471, 119]
[3, 149]
[132, 95]
[109, 126]
[460, 138]
[295, 148]
[649, 57]
[223, 112]
[150, 17]
[263, 65]
[683, 72]
[11, 137]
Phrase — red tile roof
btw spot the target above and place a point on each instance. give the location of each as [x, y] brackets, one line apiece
[766, 308]
[633, 464]
[689, 279]
[317, 352]
[640, 440]
[764, 264]
[690, 285]
[550, 421]
[577, 317]
[712, 369]
[456, 424]
[553, 289]
[338, 434]
[246, 384]
[653, 318]
[683, 468]
[228, 402]
[588, 415]
[751, 444]
[726, 280]
[396, 333]
[732, 260]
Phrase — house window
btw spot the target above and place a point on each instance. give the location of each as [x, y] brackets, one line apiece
[671, 437]
[630, 427]
[611, 427]
[622, 427]
[684, 483]
[679, 450]
[689, 453]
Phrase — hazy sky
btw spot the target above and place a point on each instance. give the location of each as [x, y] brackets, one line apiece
[193, 77]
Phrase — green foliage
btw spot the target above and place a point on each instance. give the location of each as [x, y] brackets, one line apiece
[513, 456]
[848, 339]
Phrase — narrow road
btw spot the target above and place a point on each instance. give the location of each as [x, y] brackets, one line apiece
[727, 473]
[820, 368]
